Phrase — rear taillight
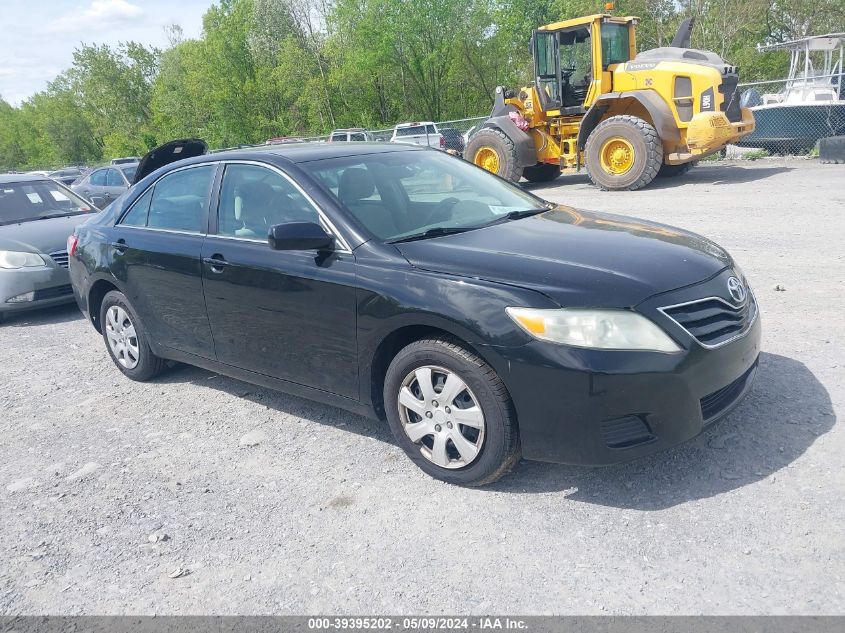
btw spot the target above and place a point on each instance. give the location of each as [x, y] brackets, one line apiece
[72, 241]
[442, 143]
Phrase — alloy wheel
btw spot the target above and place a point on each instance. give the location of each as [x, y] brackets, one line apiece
[122, 337]
[441, 414]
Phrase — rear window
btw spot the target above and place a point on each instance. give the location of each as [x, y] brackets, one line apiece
[410, 131]
[37, 200]
[177, 202]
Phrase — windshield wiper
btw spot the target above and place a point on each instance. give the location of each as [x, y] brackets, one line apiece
[437, 231]
[516, 215]
[57, 214]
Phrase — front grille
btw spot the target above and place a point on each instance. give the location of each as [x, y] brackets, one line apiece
[626, 432]
[60, 257]
[714, 321]
[730, 103]
[719, 401]
[52, 293]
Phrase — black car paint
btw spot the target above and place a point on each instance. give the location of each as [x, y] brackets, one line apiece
[318, 324]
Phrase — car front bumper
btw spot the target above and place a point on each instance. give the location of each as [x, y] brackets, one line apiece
[593, 407]
[28, 289]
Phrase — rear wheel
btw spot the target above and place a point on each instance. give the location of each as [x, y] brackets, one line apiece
[126, 339]
[493, 150]
[670, 171]
[623, 153]
[541, 172]
[450, 413]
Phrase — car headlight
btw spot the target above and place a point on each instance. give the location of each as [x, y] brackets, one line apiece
[597, 329]
[13, 260]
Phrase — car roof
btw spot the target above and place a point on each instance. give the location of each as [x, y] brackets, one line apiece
[305, 152]
[12, 178]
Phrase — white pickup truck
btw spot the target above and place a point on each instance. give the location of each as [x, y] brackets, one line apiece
[423, 133]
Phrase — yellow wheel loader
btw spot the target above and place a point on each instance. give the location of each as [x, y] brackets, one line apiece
[596, 103]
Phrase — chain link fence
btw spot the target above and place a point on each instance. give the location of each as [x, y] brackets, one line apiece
[454, 134]
[792, 115]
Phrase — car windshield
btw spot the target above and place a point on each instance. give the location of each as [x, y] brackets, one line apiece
[37, 200]
[401, 196]
[129, 172]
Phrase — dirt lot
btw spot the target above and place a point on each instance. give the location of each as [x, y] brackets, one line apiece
[107, 486]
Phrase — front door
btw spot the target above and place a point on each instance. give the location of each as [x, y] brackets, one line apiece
[285, 314]
[155, 253]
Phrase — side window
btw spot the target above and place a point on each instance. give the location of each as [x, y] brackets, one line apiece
[429, 129]
[252, 199]
[357, 137]
[137, 215]
[98, 178]
[336, 138]
[179, 199]
[114, 179]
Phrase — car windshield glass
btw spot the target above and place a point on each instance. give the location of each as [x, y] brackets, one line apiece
[415, 195]
[129, 172]
[36, 200]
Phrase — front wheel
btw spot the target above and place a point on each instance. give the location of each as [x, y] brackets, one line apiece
[493, 150]
[451, 413]
[623, 153]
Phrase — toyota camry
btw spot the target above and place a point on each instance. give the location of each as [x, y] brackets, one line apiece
[480, 321]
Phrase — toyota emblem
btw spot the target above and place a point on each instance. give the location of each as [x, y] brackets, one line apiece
[736, 289]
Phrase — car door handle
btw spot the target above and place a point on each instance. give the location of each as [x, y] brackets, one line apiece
[216, 262]
[119, 245]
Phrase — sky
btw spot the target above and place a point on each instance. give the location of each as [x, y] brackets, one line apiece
[37, 37]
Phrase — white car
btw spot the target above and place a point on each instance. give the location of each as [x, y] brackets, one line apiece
[424, 133]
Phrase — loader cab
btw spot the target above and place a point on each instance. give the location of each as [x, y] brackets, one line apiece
[572, 60]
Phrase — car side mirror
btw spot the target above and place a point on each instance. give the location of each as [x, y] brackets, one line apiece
[299, 236]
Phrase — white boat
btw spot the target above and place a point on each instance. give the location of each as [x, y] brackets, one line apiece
[811, 104]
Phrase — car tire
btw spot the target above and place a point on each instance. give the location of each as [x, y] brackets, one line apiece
[471, 437]
[623, 153]
[670, 171]
[541, 172]
[126, 340]
[493, 150]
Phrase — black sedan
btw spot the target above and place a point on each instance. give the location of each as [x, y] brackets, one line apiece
[480, 321]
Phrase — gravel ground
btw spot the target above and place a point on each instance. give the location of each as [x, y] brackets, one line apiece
[108, 486]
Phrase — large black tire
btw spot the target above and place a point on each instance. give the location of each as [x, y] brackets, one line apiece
[647, 153]
[493, 140]
[541, 172]
[498, 449]
[148, 364]
[670, 171]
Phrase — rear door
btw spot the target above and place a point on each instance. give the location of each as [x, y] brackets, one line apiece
[286, 314]
[155, 253]
[93, 186]
[115, 184]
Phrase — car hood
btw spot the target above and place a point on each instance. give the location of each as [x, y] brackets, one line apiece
[40, 236]
[576, 258]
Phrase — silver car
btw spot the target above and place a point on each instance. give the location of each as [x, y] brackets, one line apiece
[103, 185]
[37, 215]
